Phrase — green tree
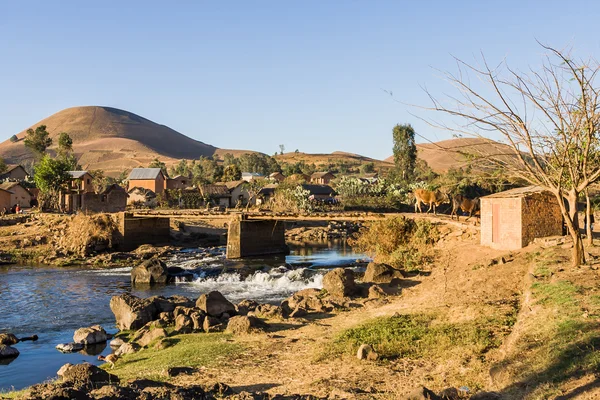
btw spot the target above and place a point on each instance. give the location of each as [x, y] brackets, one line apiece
[38, 140]
[232, 173]
[405, 151]
[51, 174]
[65, 143]
[14, 138]
[156, 163]
[367, 168]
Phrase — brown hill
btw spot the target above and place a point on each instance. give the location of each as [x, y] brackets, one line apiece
[334, 158]
[451, 153]
[111, 139]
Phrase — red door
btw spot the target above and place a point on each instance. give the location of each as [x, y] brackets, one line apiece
[495, 223]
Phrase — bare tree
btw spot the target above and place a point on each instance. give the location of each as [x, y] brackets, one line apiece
[548, 120]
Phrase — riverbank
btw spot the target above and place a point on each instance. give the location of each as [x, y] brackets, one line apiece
[522, 324]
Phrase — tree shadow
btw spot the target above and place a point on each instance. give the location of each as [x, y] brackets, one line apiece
[576, 360]
[259, 387]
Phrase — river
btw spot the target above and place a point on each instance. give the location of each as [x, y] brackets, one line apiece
[53, 302]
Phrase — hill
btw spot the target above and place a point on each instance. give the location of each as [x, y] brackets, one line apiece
[111, 139]
[335, 158]
[446, 154]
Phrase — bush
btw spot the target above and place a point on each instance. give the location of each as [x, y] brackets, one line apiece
[14, 138]
[399, 241]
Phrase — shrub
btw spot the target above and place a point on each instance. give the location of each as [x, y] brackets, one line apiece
[399, 241]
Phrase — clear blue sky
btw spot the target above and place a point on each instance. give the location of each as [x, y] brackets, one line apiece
[256, 74]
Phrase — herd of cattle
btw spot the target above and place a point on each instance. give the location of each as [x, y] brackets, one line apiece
[435, 198]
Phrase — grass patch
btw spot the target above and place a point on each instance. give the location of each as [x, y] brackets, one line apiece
[415, 336]
[192, 350]
[562, 293]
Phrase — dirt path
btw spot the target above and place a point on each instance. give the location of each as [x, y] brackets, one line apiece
[460, 286]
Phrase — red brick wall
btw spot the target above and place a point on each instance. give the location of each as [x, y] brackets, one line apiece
[541, 217]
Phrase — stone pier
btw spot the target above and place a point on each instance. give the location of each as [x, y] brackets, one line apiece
[247, 237]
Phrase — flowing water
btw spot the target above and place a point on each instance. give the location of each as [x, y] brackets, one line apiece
[53, 302]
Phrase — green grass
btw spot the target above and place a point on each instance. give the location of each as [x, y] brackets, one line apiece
[415, 336]
[561, 293]
[192, 350]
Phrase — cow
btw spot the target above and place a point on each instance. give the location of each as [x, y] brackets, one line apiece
[465, 204]
[434, 199]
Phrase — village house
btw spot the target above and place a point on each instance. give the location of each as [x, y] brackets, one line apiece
[511, 219]
[217, 194]
[321, 178]
[320, 192]
[14, 172]
[19, 194]
[111, 200]
[5, 203]
[179, 182]
[250, 176]
[80, 183]
[277, 177]
[142, 197]
[148, 178]
[238, 192]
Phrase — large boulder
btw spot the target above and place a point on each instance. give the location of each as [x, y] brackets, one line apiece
[184, 324]
[8, 339]
[215, 304]
[92, 335]
[7, 351]
[241, 324]
[380, 273]
[150, 272]
[132, 312]
[87, 376]
[127, 348]
[169, 304]
[340, 283]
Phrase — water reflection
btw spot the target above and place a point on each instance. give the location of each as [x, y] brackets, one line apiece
[54, 302]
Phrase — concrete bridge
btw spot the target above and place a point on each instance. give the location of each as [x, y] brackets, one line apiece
[255, 237]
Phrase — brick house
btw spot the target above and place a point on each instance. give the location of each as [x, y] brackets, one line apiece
[79, 184]
[142, 197]
[238, 193]
[14, 172]
[512, 219]
[277, 177]
[148, 178]
[319, 192]
[179, 182]
[20, 194]
[5, 200]
[322, 178]
[111, 200]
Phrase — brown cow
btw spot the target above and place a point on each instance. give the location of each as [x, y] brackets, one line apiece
[465, 204]
[434, 199]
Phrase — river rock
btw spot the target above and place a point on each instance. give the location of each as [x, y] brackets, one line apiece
[69, 347]
[117, 342]
[242, 324]
[421, 393]
[380, 273]
[184, 324]
[8, 339]
[212, 324]
[8, 351]
[150, 272]
[376, 292]
[169, 304]
[56, 391]
[92, 335]
[63, 369]
[246, 306]
[340, 283]
[215, 304]
[127, 348]
[88, 376]
[131, 312]
[151, 335]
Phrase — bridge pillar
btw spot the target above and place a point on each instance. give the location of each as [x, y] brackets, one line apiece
[256, 237]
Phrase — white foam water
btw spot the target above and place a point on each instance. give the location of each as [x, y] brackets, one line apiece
[261, 286]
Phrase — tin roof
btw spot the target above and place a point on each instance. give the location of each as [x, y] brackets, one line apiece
[144, 173]
[519, 192]
[77, 174]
